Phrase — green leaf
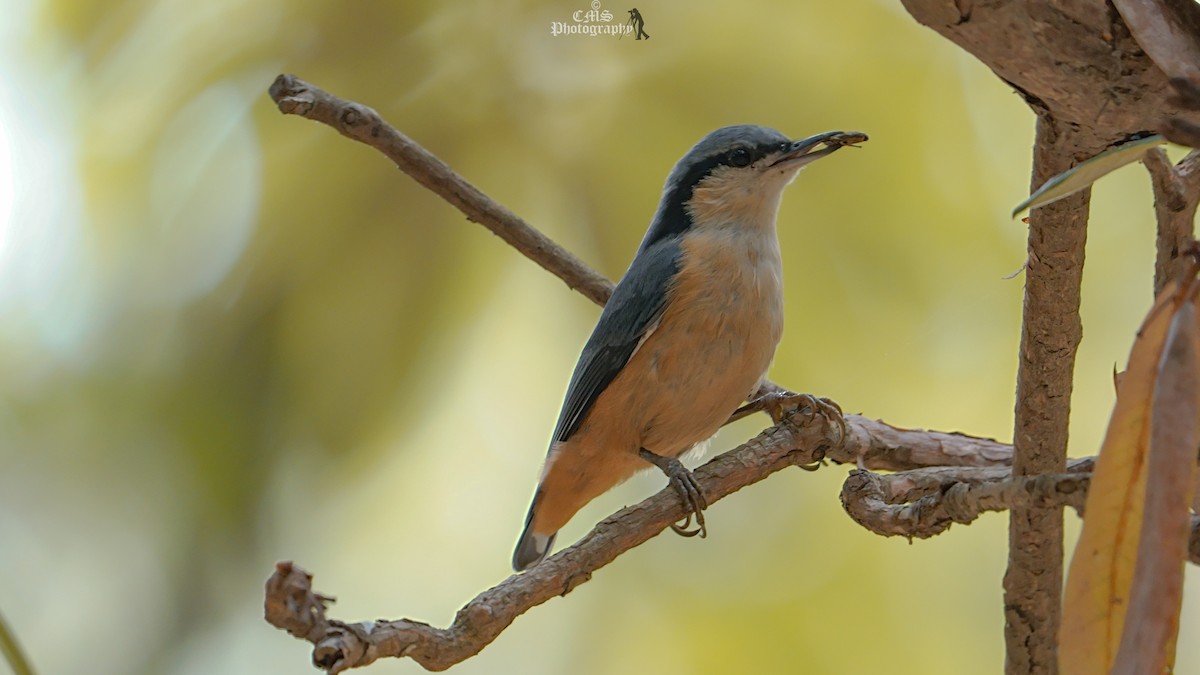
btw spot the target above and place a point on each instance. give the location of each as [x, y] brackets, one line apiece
[1085, 173]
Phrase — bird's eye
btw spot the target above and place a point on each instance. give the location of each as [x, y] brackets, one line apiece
[739, 157]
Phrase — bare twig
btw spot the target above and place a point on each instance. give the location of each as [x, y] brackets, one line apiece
[875, 444]
[354, 120]
[870, 499]
[1176, 193]
[800, 439]
[884, 447]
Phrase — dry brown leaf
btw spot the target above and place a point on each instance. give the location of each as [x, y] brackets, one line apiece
[1152, 619]
[1101, 571]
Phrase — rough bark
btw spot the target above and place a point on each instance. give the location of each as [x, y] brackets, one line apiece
[1073, 59]
[926, 505]
[1176, 193]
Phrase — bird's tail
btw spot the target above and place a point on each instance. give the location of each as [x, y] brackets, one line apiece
[532, 547]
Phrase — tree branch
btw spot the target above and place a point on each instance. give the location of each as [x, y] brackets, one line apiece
[358, 122]
[1074, 59]
[871, 499]
[800, 439]
[883, 447]
[1050, 335]
[1176, 194]
[923, 503]
[917, 503]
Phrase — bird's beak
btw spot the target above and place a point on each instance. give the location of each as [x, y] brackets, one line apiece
[814, 147]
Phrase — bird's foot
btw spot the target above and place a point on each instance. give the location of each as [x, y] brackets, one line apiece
[780, 404]
[829, 409]
[687, 488]
[777, 404]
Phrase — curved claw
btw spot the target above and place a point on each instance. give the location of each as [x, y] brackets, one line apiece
[812, 467]
[681, 527]
[832, 412]
[685, 485]
[683, 531]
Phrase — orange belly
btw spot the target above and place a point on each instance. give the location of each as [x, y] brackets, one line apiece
[708, 353]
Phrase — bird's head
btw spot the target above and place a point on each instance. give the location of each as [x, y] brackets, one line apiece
[735, 177]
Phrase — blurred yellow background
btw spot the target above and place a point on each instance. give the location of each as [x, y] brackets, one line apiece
[229, 337]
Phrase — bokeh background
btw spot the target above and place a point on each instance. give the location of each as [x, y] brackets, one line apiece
[229, 337]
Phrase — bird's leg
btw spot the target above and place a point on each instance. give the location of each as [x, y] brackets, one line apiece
[778, 404]
[688, 490]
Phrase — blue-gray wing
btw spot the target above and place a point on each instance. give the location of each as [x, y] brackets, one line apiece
[634, 308]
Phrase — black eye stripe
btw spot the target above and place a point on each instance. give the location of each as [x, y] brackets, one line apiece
[672, 217]
[744, 156]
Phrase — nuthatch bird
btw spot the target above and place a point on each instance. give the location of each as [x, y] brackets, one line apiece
[687, 335]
